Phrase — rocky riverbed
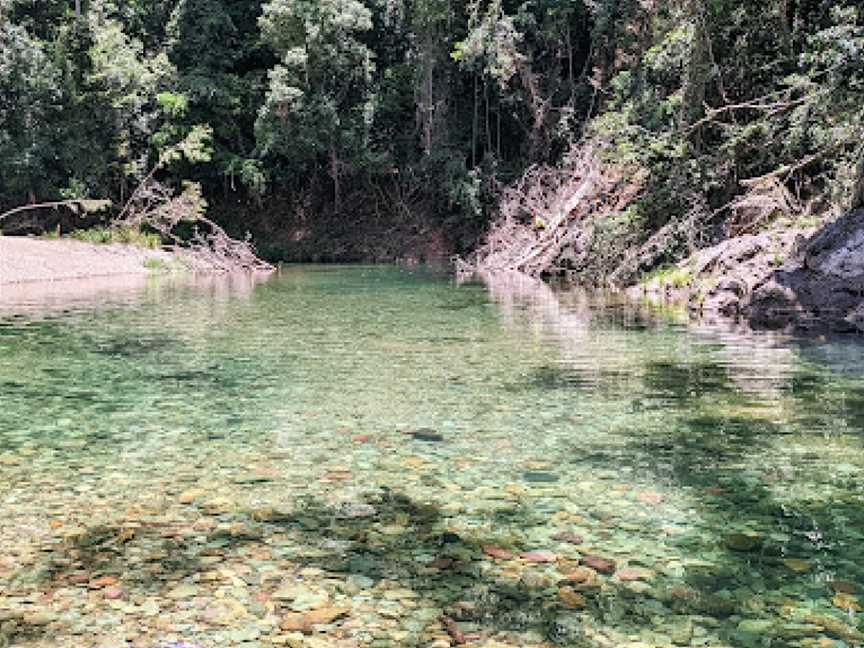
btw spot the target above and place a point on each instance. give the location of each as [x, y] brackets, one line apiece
[353, 458]
[301, 551]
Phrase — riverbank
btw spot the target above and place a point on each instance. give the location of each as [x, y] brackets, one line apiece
[24, 260]
[805, 280]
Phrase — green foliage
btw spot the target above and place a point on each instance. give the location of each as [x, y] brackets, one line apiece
[724, 92]
[194, 147]
[123, 235]
[377, 110]
[670, 276]
[492, 44]
[29, 95]
[320, 98]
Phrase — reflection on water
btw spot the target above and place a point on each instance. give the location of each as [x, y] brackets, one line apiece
[46, 297]
[502, 460]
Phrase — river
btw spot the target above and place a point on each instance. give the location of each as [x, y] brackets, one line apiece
[376, 456]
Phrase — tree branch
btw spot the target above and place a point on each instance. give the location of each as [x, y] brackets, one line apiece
[88, 206]
[773, 108]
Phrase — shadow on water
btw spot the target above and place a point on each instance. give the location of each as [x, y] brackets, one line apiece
[395, 541]
[781, 528]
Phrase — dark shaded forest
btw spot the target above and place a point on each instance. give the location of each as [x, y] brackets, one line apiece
[385, 129]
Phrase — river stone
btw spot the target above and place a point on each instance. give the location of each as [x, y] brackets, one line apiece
[400, 594]
[797, 565]
[248, 633]
[633, 574]
[218, 505]
[742, 542]
[755, 626]
[569, 537]
[112, 593]
[104, 581]
[652, 498]
[835, 626]
[427, 434]
[149, 608]
[291, 639]
[310, 601]
[539, 477]
[37, 618]
[846, 602]
[570, 598]
[842, 586]
[301, 597]
[189, 496]
[580, 575]
[539, 556]
[599, 564]
[360, 581]
[713, 605]
[682, 633]
[797, 630]
[304, 621]
[183, 591]
[498, 552]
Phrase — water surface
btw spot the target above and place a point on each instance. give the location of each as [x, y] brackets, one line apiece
[428, 461]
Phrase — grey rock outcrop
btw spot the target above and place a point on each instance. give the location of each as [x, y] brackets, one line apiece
[820, 287]
[737, 266]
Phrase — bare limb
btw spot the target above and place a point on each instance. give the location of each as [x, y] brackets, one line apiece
[773, 108]
[87, 206]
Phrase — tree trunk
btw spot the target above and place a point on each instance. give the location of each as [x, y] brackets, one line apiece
[474, 126]
[570, 78]
[858, 187]
[488, 127]
[77, 8]
[425, 101]
[697, 70]
[334, 174]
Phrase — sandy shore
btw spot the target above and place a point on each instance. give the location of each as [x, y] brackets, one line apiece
[27, 259]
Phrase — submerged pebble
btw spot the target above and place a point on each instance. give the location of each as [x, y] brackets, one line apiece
[427, 434]
[540, 477]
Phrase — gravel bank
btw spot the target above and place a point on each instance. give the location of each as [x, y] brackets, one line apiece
[27, 259]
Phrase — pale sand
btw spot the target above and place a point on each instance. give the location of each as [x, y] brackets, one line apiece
[25, 259]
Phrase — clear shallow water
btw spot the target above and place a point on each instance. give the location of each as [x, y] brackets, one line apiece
[240, 452]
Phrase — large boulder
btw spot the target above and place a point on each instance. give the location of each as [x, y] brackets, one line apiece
[821, 287]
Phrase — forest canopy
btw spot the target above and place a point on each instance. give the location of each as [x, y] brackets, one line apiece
[360, 121]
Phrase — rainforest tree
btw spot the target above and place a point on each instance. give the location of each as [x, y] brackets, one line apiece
[382, 118]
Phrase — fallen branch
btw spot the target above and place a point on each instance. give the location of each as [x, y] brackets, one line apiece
[787, 169]
[79, 205]
[773, 108]
[549, 210]
[212, 249]
[155, 205]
